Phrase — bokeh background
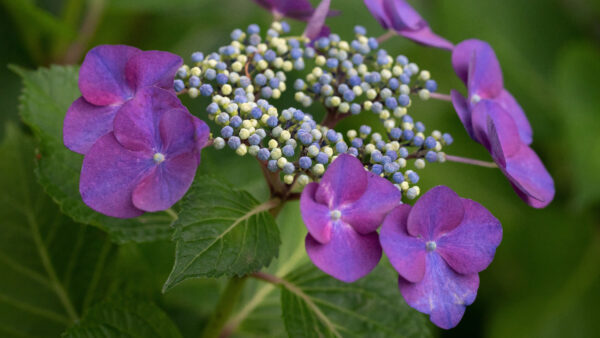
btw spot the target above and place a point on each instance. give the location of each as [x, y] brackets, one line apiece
[545, 280]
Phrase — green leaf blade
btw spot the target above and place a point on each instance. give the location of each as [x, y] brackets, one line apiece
[222, 231]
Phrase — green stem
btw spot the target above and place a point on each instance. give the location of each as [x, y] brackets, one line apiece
[224, 307]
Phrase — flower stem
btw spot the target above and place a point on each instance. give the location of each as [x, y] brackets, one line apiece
[387, 35]
[471, 161]
[442, 97]
[224, 307]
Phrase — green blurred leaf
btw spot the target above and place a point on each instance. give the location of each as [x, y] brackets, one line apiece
[47, 94]
[578, 71]
[315, 304]
[152, 5]
[52, 268]
[124, 318]
[222, 231]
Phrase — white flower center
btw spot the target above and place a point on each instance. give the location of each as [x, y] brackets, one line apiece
[335, 215]
[158, 158]
[430, 246]
[475, 98]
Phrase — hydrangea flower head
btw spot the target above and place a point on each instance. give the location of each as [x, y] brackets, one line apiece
[438, 247]
[110, 76]
[493, 118]
[148, 161]
[477, 66]
[342, 214]
[399, 16]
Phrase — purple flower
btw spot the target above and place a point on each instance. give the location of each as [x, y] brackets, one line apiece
[110, 76]
[148, 161]
[493, 118]
[296, 9]
[438, 247]
[399, 16]
[316, 27]
[342, 213]
[477, 66]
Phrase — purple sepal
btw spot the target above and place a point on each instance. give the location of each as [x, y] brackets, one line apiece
[316, 23]
[300, 10]
[85, 123]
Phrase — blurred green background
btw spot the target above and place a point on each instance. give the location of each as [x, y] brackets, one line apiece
[545, 280]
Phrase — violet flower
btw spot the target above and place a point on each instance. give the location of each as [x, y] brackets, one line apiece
[148, 161]
[301, 10]
[342, 213]
[477, 66]
[438, 247]
[493, 118]
[110, 76]
[399, 16]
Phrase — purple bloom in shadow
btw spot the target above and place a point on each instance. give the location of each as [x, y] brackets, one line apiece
[301, 10]
[342, 214]
[110, 76]
[477, 66]
[493, 118]
[438, 247]
[148, 161]
[399, 16]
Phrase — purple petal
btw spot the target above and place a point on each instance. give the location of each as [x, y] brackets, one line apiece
[85, 123]
[402, 16]
[462, 56]
[344, 182]
[529, 178]
[315, 215]
[437, 212]
[426, 37]
[177, 132]
[201, 134]
[136, 124]
[485, 74]
[463, 110]
[296, 9]
[348, 256]
[102, 79]
[406, 253]
[166, 183]
[317, 20]
[506, 140]
[471, 246]
[153, 68]
[443, 294]
[108, 176]
[377, 10]
[508, 103]
[366, 214]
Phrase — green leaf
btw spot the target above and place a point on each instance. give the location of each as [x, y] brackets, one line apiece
[124, 318]
[222, 231]
[315, 304]
[52, 268]
[47, 94]
[578, 87]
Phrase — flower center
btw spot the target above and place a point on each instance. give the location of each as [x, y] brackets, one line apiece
[430, 246]
[475, 98]
[335, 215]
[158, 158]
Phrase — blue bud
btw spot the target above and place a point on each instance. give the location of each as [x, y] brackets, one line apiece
[299, 64]
[357, 142]
[380, 144]
[274, 83]
[364, 129]
[398, 177]
[263, 154]
[305, 162]
[360, 30]
[377, 107]
[431, 85]
[404, 78]
[288, 151]
[322, 158]
[285, 27]
[221, 66]
[210, 74]
[256, 113]
[304, 137]
[354, 80]
[266, 92]
[408, 135]
[403, 100]
[309, 52]
[322, 43]
[272, 122]
[234, 142]
[346, 64]
[391, 154]
[355, 108]
[382, 60]
[331, 135]
[420, 127]
[448, 138]
[349, 96]
[373, 44]
[357, 59]
[212, 108]
[270, 55]
[393, 83]
[288, 168]
[253, 29]
[402, 60]
[386, 159]
[260, 80]
[294, 43]
[341, 147]
[403, 152]
[272, 165]
[395, 133]
[239, 92]
[316, 88]
[407, 118]
[413, 177]
[332, 63]
[376, 156]
[254, 139]
[352, 151]
[227, 132]
[334, 38]
[343, 88]
[431, 156]
[299, 84]
[418, 141]
[429, 142]
[391, 102]
[296, 53]
[235, 121]
[298, 115]
[390, 167]
[257, 57]
[206, 89]
[377, 169]
[197, 57]
[223, 118]
[178, 85]
[254, 40]
[325, 79]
